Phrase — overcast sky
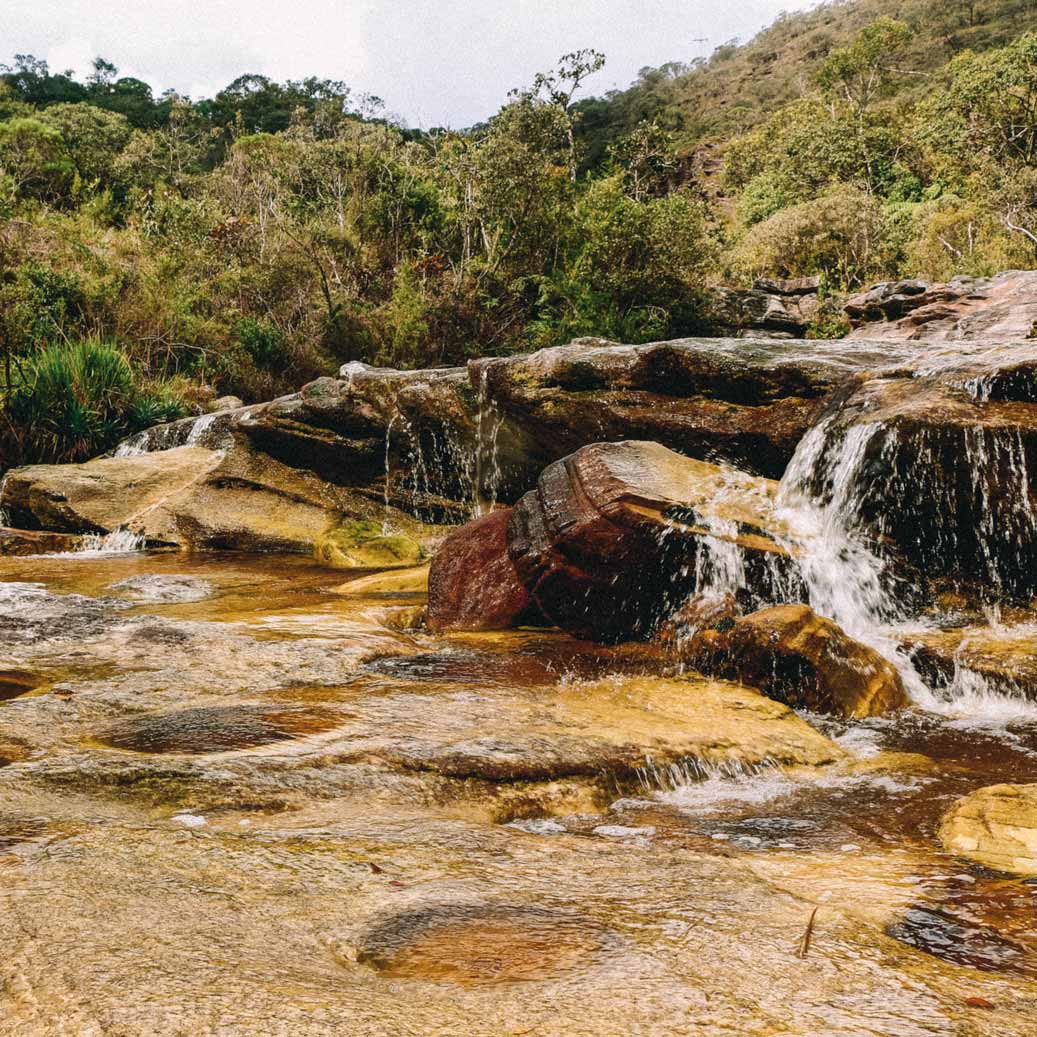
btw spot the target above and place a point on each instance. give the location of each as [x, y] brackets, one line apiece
[435, 62]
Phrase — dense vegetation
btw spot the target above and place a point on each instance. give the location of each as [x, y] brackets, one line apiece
[245, 243]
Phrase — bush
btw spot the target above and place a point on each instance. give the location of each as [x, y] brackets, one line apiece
[77, 400]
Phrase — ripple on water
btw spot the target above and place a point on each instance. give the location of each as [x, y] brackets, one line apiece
[215, 729]
[483, 945]
[155, 589]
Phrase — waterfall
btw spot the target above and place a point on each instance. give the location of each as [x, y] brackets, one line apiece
[119, 541]
[486, 479]
[5, 519]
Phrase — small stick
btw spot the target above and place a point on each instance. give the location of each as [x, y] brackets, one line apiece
[804, 946]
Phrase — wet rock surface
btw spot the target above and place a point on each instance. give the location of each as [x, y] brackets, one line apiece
[996, 826]
[608, 543]
[496, 831]
[798, 657]
[473, 584]
[34, 542]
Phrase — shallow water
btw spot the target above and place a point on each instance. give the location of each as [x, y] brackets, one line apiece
[234, 801]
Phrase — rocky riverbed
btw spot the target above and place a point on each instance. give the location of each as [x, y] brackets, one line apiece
[720, 718]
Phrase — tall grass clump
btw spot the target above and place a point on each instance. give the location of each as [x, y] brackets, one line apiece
[76, 400]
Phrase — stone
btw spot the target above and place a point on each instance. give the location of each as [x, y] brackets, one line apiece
[365, 545]
[773, 308]
[1002, 657]
[473, 584]
[613, 538]
[716, 611]
[396, 581]
[226, 403]
[189, 497]
[795, 656]
[23, 542]
[1002, 307]
[996, 827]
[955, 438]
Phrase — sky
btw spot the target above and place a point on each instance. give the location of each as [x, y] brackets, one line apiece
[434, 62]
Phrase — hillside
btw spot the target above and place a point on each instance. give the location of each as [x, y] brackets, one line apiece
[742, 83]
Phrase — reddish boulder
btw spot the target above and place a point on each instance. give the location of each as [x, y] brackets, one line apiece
[472, 583]
[616, 535]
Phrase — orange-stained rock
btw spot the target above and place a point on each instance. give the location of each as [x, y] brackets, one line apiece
[472, 583]
[796, 656]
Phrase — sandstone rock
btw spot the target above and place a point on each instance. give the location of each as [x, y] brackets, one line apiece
[473, 584]
[618, 534]
[995, 826]
[397, 581]
[795, 656]
[1004, 659]
[617, 728]
[189, 496]
[716, 611]
[774, 308]
[33, 542]
[938, 439]
[1002, 307]
[744, 401]
[226, 403]
[362, 544]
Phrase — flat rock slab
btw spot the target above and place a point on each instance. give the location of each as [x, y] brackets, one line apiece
[995, 826]
[22, 542]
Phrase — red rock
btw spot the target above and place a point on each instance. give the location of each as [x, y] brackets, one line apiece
[608, 542]
[472, 582]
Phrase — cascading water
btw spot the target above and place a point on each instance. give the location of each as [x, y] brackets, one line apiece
[119, 541]
[486, 479]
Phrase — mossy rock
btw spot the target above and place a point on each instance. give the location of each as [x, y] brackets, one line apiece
[363, 545]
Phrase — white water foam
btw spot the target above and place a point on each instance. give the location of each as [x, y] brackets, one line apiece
[118, 542]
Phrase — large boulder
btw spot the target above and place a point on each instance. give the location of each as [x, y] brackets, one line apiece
[617, 535]
[747, 402]
[472, 582]
[1002, 307]
[189, 496]
[995, 826]
[795, 656]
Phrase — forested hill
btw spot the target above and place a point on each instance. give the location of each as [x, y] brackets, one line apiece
[743, 83]
[156, 252]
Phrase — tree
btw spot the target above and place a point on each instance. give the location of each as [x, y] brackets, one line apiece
[93, 139]
[559, 86]
[33, 159]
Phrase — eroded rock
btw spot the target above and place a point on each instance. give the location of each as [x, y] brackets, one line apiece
[793, 655]
[1002, 307]
[617, 535]
[996, 826]
[22, 542]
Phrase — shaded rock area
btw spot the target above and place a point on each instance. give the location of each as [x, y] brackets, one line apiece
[771, 308]
[1002, 307]
[609, 542]
[795, 656]
[21, 542]
[995, 826]
[1003, 658]
[954, 434]
[434, 443]
[472, 582]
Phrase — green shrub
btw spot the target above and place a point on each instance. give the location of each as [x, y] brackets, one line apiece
[77, 400]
